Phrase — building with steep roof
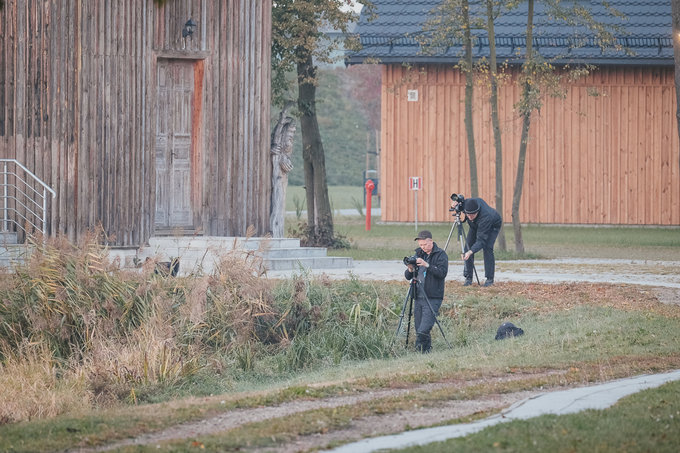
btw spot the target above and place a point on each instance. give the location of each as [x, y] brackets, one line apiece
[605, 153]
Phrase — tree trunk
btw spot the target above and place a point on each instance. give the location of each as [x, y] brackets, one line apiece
[469, 129]
[495, 121]
[319, 215]
[675, 13]
[281, 150]
[525, 109]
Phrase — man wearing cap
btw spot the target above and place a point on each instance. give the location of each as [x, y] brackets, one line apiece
[432, 266]
[485, 224]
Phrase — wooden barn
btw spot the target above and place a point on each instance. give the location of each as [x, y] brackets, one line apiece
[606, 153]
[143, 117]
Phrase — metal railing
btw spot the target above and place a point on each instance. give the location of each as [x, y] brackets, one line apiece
[24, 198]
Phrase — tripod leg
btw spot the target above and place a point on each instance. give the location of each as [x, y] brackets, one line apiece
[403, 311]
[410, 313]
[450, 233]
[463, 243]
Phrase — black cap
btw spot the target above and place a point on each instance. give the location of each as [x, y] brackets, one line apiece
[470, 206]
[425, 234]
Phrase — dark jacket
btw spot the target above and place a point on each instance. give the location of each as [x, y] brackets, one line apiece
[435, 274]
[486, 221]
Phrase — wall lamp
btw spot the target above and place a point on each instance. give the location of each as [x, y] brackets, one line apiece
[188, 28]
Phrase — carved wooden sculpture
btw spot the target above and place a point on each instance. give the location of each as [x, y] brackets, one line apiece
[281, 150]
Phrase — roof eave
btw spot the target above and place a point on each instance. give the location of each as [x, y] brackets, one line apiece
[355, 60]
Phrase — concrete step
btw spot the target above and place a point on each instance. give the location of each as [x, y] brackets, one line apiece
[8, 237]
[299, 252]
[221, 243]
[12, 254]
[325, 262]
[202, 253]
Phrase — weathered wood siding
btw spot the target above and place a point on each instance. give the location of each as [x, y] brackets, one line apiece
[605, 154]
[78, 87]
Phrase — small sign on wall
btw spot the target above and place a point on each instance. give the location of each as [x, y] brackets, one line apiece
[412, 95]
[415, 183]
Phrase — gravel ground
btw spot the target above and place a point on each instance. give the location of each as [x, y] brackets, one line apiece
[635, 272]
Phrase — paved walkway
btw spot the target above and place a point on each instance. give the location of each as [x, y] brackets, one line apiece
[635, 272]
[563, 402]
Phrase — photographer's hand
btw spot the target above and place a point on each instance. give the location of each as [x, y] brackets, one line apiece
[467, 255]
[422, 262]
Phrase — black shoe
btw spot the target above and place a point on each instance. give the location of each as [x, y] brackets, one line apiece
[468, 282]
[488, 282]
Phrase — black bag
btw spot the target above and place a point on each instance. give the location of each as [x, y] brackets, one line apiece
[508, 329]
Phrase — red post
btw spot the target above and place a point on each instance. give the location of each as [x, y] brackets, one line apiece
[369, 195]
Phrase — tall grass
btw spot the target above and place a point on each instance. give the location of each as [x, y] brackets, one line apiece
[81, 332]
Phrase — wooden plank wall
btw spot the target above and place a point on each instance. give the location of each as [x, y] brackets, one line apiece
[605, 154]
[77, 106]
[237, 102]
[232, 49]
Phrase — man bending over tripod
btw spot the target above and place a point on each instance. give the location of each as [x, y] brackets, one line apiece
[485, 224]
[429, 269]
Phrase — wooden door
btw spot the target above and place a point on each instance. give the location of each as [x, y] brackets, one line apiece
[174, 145]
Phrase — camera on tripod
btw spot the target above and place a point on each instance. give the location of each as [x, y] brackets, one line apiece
[410, 260]
[458, 198]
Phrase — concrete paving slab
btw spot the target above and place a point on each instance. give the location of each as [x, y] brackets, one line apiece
[645, 273]
[562, 402]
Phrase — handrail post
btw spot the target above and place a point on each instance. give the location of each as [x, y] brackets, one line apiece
[31, 217]
[44, 214]
[4, 217]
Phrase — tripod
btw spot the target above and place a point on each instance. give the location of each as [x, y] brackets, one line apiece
[461, 238]
[410, 297]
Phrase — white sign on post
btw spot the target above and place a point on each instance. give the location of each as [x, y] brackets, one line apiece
[415, 183]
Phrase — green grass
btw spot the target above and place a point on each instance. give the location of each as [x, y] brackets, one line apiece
[643, 422]
[341, 197]
[394, 241]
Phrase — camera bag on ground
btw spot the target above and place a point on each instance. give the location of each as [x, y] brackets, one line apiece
[507, 330]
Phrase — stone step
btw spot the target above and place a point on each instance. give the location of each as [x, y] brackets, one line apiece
[325, 262]
[8, 237]
[12, 254]
[221, 243]
[295, 252]
[201, 253]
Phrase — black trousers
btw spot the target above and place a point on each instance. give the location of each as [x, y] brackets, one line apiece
[489, 258]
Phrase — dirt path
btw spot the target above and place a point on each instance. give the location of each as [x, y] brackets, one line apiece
[367, 426]
[402, 421]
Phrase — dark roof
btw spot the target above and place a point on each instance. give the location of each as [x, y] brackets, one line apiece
[646, 33]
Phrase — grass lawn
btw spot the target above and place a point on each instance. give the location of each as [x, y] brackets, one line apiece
[394, 241]
[341, 197]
